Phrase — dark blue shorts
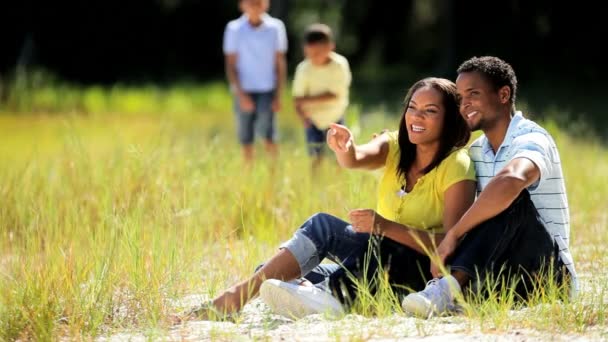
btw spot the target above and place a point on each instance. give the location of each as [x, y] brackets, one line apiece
[315, 138]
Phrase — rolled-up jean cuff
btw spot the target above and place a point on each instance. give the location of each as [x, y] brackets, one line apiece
[304, 250]
[466, 270]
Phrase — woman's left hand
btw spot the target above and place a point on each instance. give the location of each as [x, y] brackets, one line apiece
[366, 221]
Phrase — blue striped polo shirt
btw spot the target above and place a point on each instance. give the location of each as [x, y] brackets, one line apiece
[526, 139]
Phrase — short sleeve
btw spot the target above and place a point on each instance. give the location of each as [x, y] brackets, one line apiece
[457, 167]
[394, 154]
[229, 40]
[299, 87]
[343, 78]
[537, 148]
[281, 37]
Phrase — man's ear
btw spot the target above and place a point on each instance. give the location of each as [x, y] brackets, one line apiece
[504, 94]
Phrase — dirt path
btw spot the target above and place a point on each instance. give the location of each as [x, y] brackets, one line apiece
[258, 323]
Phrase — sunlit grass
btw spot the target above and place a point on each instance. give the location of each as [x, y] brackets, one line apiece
[134, 197]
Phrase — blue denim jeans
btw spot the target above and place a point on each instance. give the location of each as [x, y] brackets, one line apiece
[260, 121]
[513, 246]
[357, 255]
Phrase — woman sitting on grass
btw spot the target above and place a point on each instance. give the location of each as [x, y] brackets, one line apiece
[428, 184]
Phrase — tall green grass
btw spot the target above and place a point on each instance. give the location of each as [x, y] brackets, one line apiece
[40, 92]
[116, 202]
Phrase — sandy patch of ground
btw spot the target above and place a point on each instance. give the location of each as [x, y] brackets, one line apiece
[256, 322]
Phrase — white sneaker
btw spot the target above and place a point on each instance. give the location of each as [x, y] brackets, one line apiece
[437, 298]
[295, 301]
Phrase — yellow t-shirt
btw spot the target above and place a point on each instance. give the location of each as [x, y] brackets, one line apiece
[311, 80]
[423, 207]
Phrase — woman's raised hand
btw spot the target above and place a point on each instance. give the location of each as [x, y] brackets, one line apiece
[339, 138]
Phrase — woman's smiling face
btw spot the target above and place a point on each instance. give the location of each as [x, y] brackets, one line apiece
[424, 116]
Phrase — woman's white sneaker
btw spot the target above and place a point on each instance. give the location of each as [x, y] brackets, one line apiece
[295, 301]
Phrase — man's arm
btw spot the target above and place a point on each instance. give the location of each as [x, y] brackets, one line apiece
[498, 195]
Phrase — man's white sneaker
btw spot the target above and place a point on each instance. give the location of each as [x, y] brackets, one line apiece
[437, 298]
[295, 301]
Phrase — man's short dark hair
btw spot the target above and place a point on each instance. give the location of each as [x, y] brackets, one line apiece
[497, 71]
[318, 33]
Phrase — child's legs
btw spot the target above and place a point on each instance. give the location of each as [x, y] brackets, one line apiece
[315, 139]
[245, 130]
[265, 121]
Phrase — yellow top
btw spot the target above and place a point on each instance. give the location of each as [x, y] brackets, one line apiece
[422, 208]
[311, 80]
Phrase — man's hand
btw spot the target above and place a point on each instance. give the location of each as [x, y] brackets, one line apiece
[366, 221]
[339, 138]
[246, 103]
[445, 249]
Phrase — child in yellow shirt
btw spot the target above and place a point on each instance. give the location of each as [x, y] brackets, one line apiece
[320, 87]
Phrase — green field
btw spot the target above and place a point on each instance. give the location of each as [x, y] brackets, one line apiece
[115, 201]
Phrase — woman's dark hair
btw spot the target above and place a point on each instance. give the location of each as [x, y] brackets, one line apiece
[455, 131]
